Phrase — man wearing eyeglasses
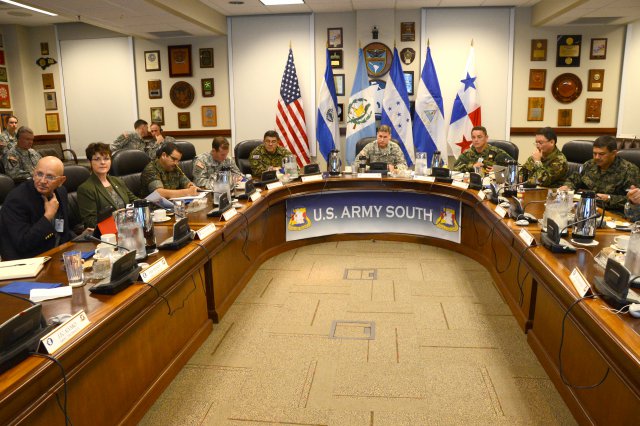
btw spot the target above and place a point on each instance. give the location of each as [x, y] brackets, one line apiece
[547, 166]
[165, 176]
[8, 137]
[21, 160]
[269, 155]
[35, 215]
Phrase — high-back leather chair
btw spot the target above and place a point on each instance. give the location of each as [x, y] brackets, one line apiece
[508, 147]
[75, 176]
[577, 152]
[188, 157]
[631, 154]
[242, 151]
[128, 165]
[6, 185]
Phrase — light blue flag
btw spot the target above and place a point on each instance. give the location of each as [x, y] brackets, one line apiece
[395, 109]
[360, 114]
[428, 120]
[327, 131]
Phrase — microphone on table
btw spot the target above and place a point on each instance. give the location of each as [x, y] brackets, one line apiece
[89, 237]
[593, 216]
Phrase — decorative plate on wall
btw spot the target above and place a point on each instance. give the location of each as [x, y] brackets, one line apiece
[566, 88]
[182, 94]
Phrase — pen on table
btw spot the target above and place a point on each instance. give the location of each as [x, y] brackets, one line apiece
[17, 264]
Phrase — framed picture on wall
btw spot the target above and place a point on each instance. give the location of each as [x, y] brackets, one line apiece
[207, 87]
[340, 108]
[206, 57]
[338, 80]
[44, 48]
[598, 48]
[50, 101]
[3, 74]
[537, 79]
[4, 117]
[568, 50]
[47, 81]
[5, 98]
[152, 60]
[408, 81]
[180, 61]
[184, 120]
[53, 122]
[334, 38]
[535, 109]
[335, 56]
[594, 110]
[157, 115]
[564, 117]
[538, 50]
[596, 80]
[209, 116]
[155, 89]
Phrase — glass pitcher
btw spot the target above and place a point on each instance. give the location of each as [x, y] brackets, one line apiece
[142, 209]
[421, 164]
[334, 164]
[584, 229]
[130, 226]
[632, 258]
[222, 184]
[290, 166]
[436, 159]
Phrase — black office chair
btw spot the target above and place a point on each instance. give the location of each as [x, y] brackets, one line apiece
[76, 175]
[632, 155]
[128, 165]
[188, 157]
[242, 151]
[507, 146]
[577, 152]
[6, 185]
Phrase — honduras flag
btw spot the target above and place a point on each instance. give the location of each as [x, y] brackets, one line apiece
[395, 109]
[428, 120]
[327, 131]
[360, 114]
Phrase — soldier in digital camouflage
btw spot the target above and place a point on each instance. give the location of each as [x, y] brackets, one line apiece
[21, 160]
[384, 150]
[481, 154]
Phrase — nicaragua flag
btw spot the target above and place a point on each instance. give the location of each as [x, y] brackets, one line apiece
[466, 112]
[395, 109]
[360, 114]
[428, 119]
[327, 131]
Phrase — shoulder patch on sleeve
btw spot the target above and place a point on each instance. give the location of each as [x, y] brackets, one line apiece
[200, 164]
[256, 157]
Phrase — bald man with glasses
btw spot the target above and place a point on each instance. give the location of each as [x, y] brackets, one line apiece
[35, 215]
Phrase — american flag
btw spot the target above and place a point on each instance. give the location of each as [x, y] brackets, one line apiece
[290, 119]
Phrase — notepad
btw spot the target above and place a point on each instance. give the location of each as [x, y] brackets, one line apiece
[21, 268]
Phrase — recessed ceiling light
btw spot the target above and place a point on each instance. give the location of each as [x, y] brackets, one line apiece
[35, 9]
[280, 2]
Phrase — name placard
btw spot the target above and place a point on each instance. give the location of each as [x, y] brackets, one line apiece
[501, 212]
[274, 185]
[425, 178]
[370, 175]
[311, 178]
[229, 214]
[460, 184]
[255, 196]
[482, 195]
[526, 237]
[154, 270]
[579, 282]
[65, 332]
[205, 231]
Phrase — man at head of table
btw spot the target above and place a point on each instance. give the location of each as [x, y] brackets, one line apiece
[383, 150]
[35, 215]
[481, 154]
[607, 174]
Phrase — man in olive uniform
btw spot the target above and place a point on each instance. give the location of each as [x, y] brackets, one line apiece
[607, 174]
[8, 137]
[481, 154]
[158, 139]
[269, 155]
[164, 175]
[207, 164]
[383, 150]
[21, 160]
[547, 166]
[136, 140]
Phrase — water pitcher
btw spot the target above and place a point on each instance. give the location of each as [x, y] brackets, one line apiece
[130, 226]
[585, 229]
[290, 166]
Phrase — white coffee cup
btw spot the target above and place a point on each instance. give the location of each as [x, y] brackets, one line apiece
[108, 238]
[104, 250]
[160, 214]
[622, 241]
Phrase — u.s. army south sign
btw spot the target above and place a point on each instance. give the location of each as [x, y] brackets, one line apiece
[357, 212]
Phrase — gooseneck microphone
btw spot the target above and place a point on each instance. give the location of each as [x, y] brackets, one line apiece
[89, 237]
[593, 216]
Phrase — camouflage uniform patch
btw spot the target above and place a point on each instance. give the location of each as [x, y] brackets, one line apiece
[19, 163]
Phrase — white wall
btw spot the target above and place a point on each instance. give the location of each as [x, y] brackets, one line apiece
[259, 51]
[629, 119]
[99, 90]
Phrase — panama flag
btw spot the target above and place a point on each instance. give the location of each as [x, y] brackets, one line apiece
[466, 110]
[327, 132]
[360, 114]
[428, 120]
[395, 109]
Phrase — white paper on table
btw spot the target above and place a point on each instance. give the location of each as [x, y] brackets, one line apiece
[40, 294]
[158, 199]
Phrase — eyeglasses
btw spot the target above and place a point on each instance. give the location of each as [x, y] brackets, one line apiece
[101, 159]
[49, 178]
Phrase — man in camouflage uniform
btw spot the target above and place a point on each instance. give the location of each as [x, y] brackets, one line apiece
[481, 154]
[135, 140]
[607, 174]
[269, 155]
[21, 160]
[382, 150]
[164, 175]
[8, 137]
[207, 164]
[547, 166]
[156, 131]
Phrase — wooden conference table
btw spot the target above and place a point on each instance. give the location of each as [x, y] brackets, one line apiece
[137, 341]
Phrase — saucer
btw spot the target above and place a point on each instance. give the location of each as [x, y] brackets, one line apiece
[161, 220]
[591, 244]
[616, 248]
